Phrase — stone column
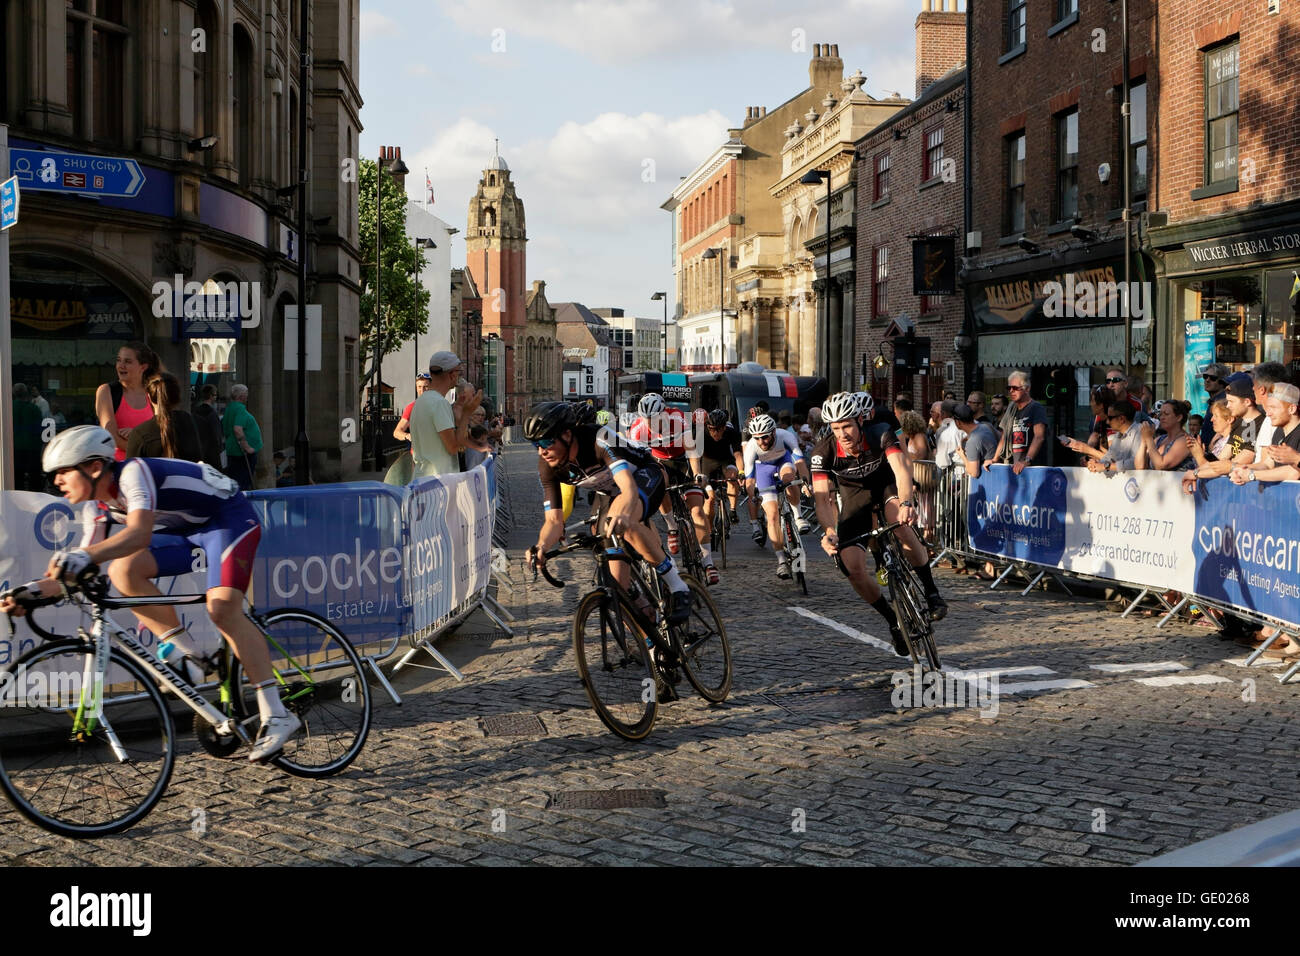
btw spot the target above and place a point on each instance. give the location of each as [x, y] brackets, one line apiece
[808, 335]
[849, 362]
[832, 332]
[745, 320]
[794, 332]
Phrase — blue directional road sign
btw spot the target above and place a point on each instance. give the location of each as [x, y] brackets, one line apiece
[75, 173]
[8, 203]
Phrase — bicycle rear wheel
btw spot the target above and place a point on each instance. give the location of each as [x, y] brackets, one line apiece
[721, 530]
[702, 647]
[616, 666]
[87, 782]
[323, 682]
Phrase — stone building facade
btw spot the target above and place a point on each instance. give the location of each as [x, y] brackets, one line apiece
[156, 82]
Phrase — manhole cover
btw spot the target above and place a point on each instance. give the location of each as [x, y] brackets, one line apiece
[512, 725]
[606, 799]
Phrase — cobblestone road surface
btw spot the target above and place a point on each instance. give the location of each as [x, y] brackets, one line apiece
[807, 763]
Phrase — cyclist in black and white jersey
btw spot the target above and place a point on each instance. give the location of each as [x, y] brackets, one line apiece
[588, 456]
[723, 459]
[870, 470]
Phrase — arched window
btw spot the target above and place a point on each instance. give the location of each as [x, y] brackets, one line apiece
[487, 218]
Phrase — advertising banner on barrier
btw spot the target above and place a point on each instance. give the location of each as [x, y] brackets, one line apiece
[32, 527]
[1234, 544]
[335, 550]
[449, 526]
[1133, 527]
[1247, 546]
[377, 561]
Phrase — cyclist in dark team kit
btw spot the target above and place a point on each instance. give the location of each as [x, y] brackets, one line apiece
[167, 510]
[587, 456]
[870, 470]
[723, 459]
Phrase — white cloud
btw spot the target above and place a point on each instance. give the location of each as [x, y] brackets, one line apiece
[590, 215]
[418, 69]
[375, 24]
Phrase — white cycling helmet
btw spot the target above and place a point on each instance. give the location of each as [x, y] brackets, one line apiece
[841, 407]
[762, 425]
[652, 403]
[866, 404]
[76, 446]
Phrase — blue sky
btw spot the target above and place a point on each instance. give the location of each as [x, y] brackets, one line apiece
[582, 95]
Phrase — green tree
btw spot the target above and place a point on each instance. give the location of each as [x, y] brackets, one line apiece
[405, 307]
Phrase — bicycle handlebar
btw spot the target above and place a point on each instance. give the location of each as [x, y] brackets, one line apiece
[878, 532]
[582, 541]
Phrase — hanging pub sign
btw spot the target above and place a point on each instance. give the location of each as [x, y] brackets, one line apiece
[934, 265]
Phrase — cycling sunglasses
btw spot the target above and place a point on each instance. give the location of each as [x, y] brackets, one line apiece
[544, 443]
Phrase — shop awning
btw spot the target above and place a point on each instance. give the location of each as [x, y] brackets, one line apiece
[1098, 345]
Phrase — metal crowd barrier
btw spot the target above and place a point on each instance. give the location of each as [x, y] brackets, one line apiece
[948, 493]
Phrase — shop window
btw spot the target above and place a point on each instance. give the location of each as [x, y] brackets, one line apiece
[1221, 80]
[1281, 318]
[1234, 304]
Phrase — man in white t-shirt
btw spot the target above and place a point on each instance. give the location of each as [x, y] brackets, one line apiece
[439, 430]
[948, 440]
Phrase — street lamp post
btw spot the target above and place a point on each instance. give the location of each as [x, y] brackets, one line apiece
[420, 243]
[812, 178]
[301, 443]
[400, 169]
[718, 254]
[655, 298]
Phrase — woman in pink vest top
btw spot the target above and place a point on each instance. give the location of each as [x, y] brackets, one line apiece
[124, 404]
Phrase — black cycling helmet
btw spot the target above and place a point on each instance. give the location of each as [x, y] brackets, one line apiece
[717, 418]
[548, 420]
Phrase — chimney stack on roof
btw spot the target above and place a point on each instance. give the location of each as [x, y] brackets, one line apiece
[940, 41]
[826, 70]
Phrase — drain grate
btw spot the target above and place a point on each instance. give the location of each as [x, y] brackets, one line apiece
[606, 799]
[512, 725]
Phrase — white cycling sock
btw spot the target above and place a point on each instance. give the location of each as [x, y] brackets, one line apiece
[182, 644]
[674, 580]
[707, 551]
[671, 521]
[268, 700]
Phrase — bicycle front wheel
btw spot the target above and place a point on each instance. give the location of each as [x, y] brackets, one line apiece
[702, 648]
[616, 666]
[67, 769]
[914, 619]
[321, 680]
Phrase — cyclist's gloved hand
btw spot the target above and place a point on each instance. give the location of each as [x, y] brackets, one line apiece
[701, 480]
[830, 543]
[73, 561]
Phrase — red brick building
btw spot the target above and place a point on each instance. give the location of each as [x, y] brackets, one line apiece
[909, 171]
[1047, 194]
[1227, 174]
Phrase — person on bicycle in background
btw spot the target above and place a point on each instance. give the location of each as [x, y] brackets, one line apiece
[581, 455]
[168, 509]
[769, 453]
[724, 459]
[667, 432]
[870, 470]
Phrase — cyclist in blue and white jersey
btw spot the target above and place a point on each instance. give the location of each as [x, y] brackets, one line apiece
[771, 452]
[167, 509]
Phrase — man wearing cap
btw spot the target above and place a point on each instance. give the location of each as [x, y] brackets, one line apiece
[1215, 377]
[1241, 440]
[439, 430]
[1278, 460]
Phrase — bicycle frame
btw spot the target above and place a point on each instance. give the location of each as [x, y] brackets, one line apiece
[786, 518]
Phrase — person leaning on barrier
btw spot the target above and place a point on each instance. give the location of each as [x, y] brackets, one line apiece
[1024, 434]
[948, 440]
[976, 454]
[1241, 440]
[1122, 453]
[1278, 461]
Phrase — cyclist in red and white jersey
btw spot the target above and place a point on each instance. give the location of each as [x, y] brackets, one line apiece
[667, 432]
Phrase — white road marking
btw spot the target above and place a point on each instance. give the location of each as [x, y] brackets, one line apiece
[1069, 683]
[1156, 666]
[1026, 671]
[1171, 680]
[1261, 662]
[847, 631]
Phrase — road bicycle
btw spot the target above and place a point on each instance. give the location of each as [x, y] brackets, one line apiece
[720, 529]
[690, 557]
[87, 742]
[903, 591]
[628, 654]
[791, 541]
